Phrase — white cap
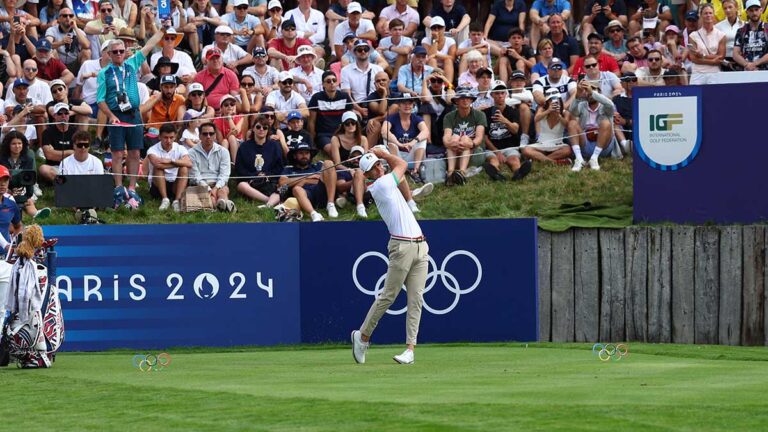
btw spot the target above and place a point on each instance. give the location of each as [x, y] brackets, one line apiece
[382, 147]
[358, 149]
[437, 21]
[60, 106]
[354, 7]
[226, 97]
[105, 44]
[368, 161]
[552, 93]
[284, 75]
[751, 3]
[195, 87]
[237, 3]
[305, 50]
[57, 82]
[274, 4]
[349, 115]
[650, 23]
[224, 29]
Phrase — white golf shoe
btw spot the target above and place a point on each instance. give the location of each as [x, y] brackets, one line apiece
[359, 347]
[405, 358]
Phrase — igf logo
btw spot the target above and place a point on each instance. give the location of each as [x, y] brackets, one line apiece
[664, 122]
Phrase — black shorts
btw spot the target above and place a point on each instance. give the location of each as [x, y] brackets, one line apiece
[263, 185]
[317, 195]
[170, 189]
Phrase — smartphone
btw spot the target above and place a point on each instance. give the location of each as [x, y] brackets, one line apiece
[16, 19]
[108, 20]
[28, 102]
[581, 77]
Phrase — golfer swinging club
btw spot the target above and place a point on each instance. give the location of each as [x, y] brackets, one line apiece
[407, 248]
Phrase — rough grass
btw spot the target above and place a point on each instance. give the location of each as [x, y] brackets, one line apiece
[477, 387]
[543, 190]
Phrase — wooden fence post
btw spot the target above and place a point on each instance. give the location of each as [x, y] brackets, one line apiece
[636, 247]
[545, 285]
[729, 326]
[612, 285]
[682, 284]
[586, 285]
[562, 287]
[753, 289]
[706, 285]
[660, 285]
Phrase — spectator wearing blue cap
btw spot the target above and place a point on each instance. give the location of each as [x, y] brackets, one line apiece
[691, 25]
[411, 77]
[396, 47]
[50, 68]
[295, 133]
[264, 75]
[355, 23]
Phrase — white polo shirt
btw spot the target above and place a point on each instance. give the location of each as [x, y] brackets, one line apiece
[393, 208]
[315, 24]
[176, 152]
[343, 28]
[360, 82]
[315, 78]
[276, 100]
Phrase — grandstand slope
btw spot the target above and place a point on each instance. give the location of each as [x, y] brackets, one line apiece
[450, 388]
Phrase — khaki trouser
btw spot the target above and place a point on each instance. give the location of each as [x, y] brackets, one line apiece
[407, 264]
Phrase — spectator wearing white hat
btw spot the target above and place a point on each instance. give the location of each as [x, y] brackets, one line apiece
[273, 20]
[338, 13]
[186, 68]
[750, 49]
[454, 17]
[441, 50]
[80, 111]
[310, 24]
[308, 77]
[247, 29]
[615, 43]
[355, 23]
[232, 55]
[286, 99]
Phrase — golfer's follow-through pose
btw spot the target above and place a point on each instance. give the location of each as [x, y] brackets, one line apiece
[407, 253]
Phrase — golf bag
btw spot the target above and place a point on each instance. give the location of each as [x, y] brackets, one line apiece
[35, 328]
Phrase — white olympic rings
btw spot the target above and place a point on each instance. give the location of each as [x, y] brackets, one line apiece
[449, 281]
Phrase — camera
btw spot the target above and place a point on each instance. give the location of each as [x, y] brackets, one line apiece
[22, 178]
[108, 20]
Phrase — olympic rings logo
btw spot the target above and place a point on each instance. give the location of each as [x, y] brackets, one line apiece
[151, 362]
[610, 351]
[449, 280]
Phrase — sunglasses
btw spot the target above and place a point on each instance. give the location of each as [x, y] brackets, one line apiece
[437, 27]
[57, 89]
[330, 81]
[118, 52]
[83, 144]
[207, 133]
[269, 116]
[261, 127]
[362, 49]
[106, 10]
[350, 123]
[289, 29]
[30, 69]
[616, 30]
[556, 67]
[435, 80]
[654, 59]
[589, 66]
[63, 113]
[67, 15]
[259, 55]
[287, 82]
[226, 105]
[244, 84]
[169, 38]
[647, 34]
[196, 94]
[242, 7]
[275, 9]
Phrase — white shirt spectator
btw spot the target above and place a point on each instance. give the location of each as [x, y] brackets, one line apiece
[343, 28]
[359, 82]
[449, 42]
[177, 152]
[315, 24]
[233, 52]
[409, 16]
[276, 100]
[269, 78]
[608, 82]
[390, 56]
[39, 92]
[186, 66]
[315, 79]
[87, 81]
[72, 166]
[730, 33]
[250, 22]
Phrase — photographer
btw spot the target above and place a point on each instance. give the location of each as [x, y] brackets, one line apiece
[58, 141]
[71, 43]
[16, 156]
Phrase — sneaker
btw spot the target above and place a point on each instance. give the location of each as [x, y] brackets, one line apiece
[524, 170]
[332, 212]
[416, 177]
[229, 206]
[491, 170]
[458, 178]
[176, 206]
[449, 179]
[341, 201]
[36, 190]
[317, 217]
[361, 211]
[359, 347]
[578, 165]
[472, 171]
[221, 205]
[164, 204]
[423, 191]
[414, 208]
[405, 358]
[42, 213]
[594, 164]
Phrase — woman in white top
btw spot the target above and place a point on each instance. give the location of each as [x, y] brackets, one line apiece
[126, 10]
[550, 122]
[730, 25]
[706, 48]
[441, 51]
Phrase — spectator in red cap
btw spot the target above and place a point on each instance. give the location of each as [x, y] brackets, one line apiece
[217, 80]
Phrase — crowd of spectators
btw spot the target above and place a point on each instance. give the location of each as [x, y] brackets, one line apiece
[274, 98]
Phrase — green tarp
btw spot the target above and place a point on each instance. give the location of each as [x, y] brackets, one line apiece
[585, 215]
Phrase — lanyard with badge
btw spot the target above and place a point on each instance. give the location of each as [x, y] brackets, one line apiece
[122, 96]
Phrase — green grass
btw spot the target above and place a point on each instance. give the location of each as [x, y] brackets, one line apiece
[479, 387]
[543, 190]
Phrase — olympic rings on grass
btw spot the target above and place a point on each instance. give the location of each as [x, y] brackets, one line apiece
[151, 362]
[606, 352]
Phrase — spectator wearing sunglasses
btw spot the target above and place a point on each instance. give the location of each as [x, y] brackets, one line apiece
[286, 99]
[328, 106]
[106, 26]
[71, 43]
[211, 168]
[615, 43]
[80, 161]
[355, 23]
[653, 74]
[358, 78]
[179, 60]
[556, 79]
[80, 111]
[283, 50]
[605, 62]
[259, 160]
[607, 82]
[264, 75]
[168, 169]
[58, 141]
